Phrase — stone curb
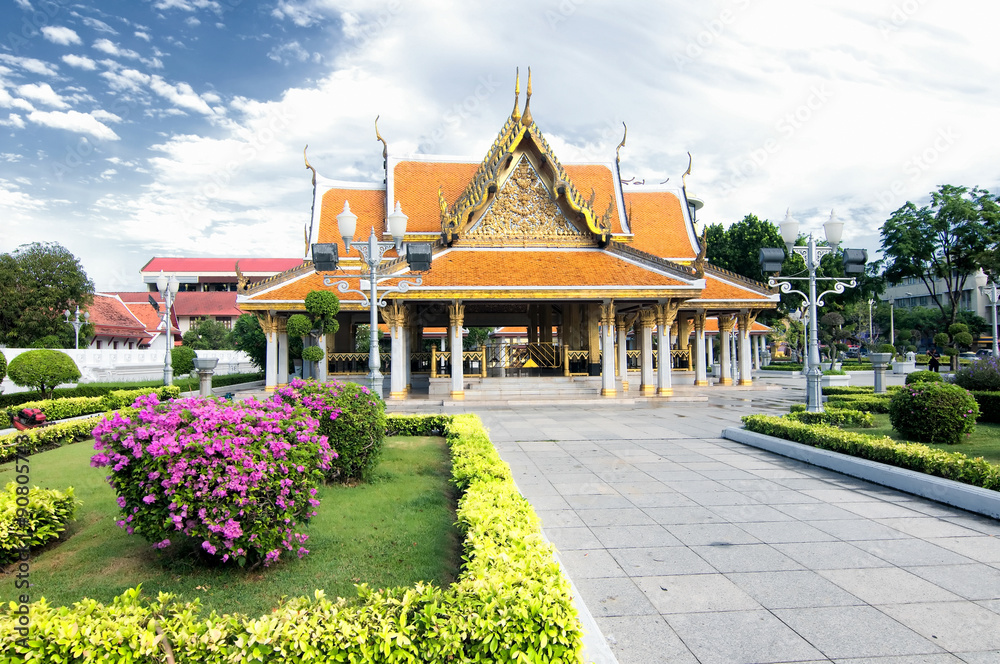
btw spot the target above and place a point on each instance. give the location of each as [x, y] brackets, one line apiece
[965, 496]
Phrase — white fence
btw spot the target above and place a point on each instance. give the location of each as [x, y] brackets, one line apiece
[124, 365]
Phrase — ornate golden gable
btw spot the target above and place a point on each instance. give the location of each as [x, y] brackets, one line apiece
[458, 218]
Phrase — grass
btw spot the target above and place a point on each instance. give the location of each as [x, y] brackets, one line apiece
[395, 531]
[984, 441]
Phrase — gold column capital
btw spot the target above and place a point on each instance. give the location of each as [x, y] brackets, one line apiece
[268, 323]
[726, 322]
[281, 324]
[666, 313]
[456, 314]
[700, 318]
[608, 314]
[624, 321]
[647, 318]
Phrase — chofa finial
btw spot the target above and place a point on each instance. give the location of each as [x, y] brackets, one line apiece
[526, 118]
[516, 113]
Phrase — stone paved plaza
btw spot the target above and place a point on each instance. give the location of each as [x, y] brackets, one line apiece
[686, 547]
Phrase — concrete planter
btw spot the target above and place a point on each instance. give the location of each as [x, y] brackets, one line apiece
[880, 358]
[835, 381]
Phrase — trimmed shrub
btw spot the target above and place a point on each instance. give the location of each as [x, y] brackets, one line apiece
[182, 360]
[3, 367]
[59, 409]
[324, 306]
[233, 480]
[913, 456]
[312, 354]
[43, 369]
[298, 325]
[352, 419]
[868, 403]
[887, 348]
[989, 406]
[981, 375]
[924, 377]
[511, 602]
[933, 412]
[835, 417]
[32, 525]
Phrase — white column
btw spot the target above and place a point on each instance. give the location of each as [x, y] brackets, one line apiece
[725, 342]
[710, 346]
[608, 349]
[734, 354]
[647, 318]
[457, 316]
[397, 378]
[700, 370]
[282, 362]
[746, 321]
[755, 342]
[622, 325]
[270, 325]
[323, 366]
[665, 316]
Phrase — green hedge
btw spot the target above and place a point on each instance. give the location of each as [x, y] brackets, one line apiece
[41, 438]
[41, 520]
[796, 366]
[989, 406]
[868, 403]
[416, 425]
[511, 602]
[834, 416]
[913, 456]
[60, 409]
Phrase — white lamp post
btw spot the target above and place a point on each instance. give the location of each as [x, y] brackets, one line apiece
[871, 330]
[77, 323]
[812, 255]
[372, 254]
[991, 295]
[168, 288]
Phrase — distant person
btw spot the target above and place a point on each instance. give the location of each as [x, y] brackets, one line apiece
[935, 360]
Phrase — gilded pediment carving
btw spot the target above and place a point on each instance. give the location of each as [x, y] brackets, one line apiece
[524, 207]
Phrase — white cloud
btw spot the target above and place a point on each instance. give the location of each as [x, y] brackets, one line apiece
[61, 35]
[100, 26]
[109, 47]
[79, 61]
[74, 121]
[288, 52]
[101, 114]
[24, 4]
[192, 22]
[12, 198]
[188, 5]
[126, 79]
[30, 64]
[143, 35]
[181, 95]
[10, 157]
[42, 93]
[13, 120]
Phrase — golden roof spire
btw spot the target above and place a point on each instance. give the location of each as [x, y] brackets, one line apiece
[516, 113]
[526, 119]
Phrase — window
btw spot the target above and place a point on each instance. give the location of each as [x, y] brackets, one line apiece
[225, 321]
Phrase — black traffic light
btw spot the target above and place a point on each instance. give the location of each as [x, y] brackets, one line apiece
[771, 259]
[325, 257]
[854, 261]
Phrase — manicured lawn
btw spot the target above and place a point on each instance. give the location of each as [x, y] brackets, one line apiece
[984, 442]
[393, 532]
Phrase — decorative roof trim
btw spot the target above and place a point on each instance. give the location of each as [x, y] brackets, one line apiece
[281, 277]
[649, 260]
[737, 279]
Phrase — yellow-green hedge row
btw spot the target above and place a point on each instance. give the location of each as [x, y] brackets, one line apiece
[511, 603]
[913, 456]
[59, 409]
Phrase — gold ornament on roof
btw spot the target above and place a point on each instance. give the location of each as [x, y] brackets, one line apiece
[621, 145]
[526, 119]
[524, 208]
[516, 113]
[699, 262]
[241, 280]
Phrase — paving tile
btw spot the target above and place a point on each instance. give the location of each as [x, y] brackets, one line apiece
[993, 605]
[660, 561]
[976, 581]
[714, 534]
[911, 552]
[623, 537]
[887, 585]
[692, 593]
[598, 501]
[633, 516]
[664, 498]
[927, 526]
[584, 489]
[981, 548]
[606, 597]
[746, 558]
[590, 564]
[939, 658]
[830, 555]
[559, 518]
[695, 486]
[549, 502]
[982, 657]
[815, 510]
[855, 631]
[955, 626]
[709, 498]
[750, 513]
[644, 639]
[980, 524]
[857, 529]
[780, 497]
[572, 538]
[781, 532]
[793, 589]
[672, 515]
[880, 509]
[756, 637]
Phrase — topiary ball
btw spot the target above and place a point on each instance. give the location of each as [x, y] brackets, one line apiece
[3, 367]
[923, 377]
[933, 412]
[312, 353]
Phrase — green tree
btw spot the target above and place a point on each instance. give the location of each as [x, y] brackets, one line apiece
[43, 370]
[945, 241]
[3, 368]
[248, 337]
[737, 248]
[182, 360]
[478, 336]
[323, 307]
[38, 282]
[208, 335]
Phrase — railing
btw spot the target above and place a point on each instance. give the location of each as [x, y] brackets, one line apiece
[352, 364]
[473, 362]
[575, 362]
[680, 359]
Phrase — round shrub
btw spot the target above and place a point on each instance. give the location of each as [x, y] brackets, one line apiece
[43, 370]
[234, 480]
[933, 412]
[887, 348]
[298, 325]
[352, 419]
[923, 377]
[981, 375]
[324, 307]
[312, 354]
[182, 360]
[3, 367]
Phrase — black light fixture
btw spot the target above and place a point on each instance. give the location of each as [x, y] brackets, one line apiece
[325, 256]
[418, 255]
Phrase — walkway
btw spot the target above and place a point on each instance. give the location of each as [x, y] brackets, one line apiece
[689, 548]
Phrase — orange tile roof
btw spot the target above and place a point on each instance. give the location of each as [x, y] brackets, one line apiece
[599, 179]
[717, 289]
[415, 186]
[111, 318]
[368, 204]
[658, 224]
[296, 290]
[516, 268]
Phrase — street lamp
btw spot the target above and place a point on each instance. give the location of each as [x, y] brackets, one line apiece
[892, 321]
[854, 260]
[991, 295]
[871, 331]
[77, 323]
[168, 288]
[373, 254]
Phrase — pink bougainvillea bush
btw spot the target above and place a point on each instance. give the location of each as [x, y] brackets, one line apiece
[235, 479]
[351, 417]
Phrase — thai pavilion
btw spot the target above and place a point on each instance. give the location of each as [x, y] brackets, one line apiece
[517, 238]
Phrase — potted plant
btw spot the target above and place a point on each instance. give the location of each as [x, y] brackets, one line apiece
[884, 355]
[28, 418]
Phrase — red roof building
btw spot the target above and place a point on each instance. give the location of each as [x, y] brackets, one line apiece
[115, 326]
[214, 274]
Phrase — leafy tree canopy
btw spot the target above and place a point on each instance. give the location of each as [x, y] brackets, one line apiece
[43, 370]
[945, 241]
[248, 337]
[208, 335]
[38, 282]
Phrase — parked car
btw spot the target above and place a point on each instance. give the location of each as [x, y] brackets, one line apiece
[968, 356]
[985, 352]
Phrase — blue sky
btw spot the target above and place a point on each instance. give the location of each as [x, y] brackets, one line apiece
[133, 129]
